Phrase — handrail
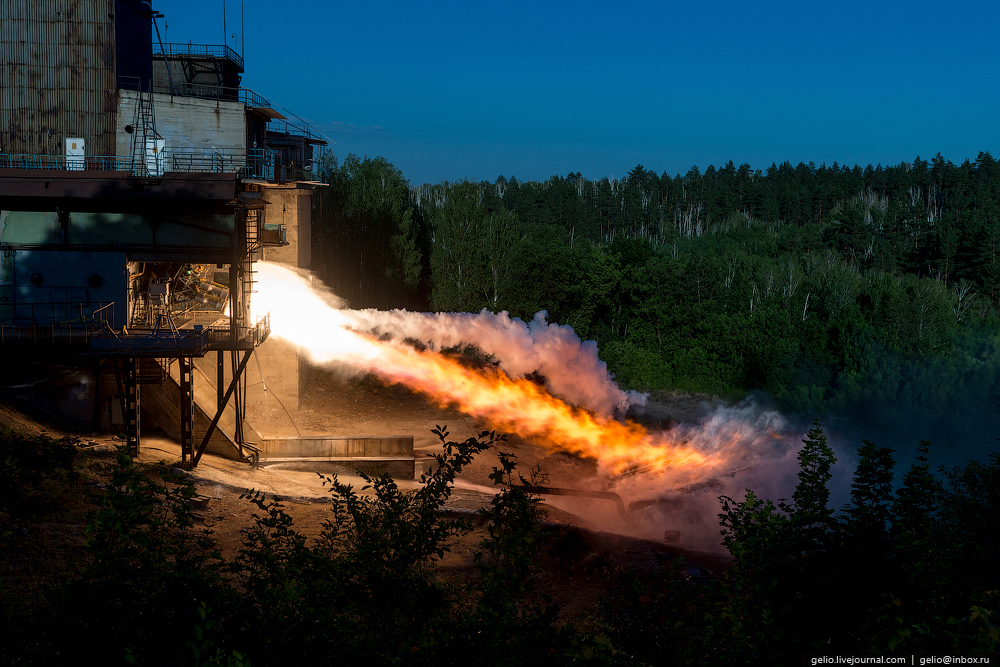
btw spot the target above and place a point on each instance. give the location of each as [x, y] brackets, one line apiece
[211, 50]
[30, 323]
[255, 163]
[252, 99]
[57, 312]
[295, 129]
[206, 91]
[246, 337]
[64, 162]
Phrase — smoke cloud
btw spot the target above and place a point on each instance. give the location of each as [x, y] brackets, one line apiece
[672, 479]
[571, 367]
[758, 450]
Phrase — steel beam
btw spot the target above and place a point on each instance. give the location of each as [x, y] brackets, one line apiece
[220, 378]
[186, 367]
[225, 401]
[131, 403]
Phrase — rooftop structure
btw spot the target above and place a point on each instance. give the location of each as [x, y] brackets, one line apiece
[134, 199]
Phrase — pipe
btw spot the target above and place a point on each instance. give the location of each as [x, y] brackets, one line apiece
[579, 493]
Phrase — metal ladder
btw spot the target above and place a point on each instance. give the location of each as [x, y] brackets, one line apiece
[253, 247]
[143, 130]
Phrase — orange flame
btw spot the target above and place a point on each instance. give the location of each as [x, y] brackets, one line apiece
[307, 319]
[522, 407]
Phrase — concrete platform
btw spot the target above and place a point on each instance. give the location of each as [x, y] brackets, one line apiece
[371, 454]
[396, 467]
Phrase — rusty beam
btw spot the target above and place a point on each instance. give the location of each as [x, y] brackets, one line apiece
[186, 368]
[225, 401]
[49, 183]
[131, 404]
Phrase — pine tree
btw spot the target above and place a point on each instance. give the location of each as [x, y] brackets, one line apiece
[871, 491]
[809, 511]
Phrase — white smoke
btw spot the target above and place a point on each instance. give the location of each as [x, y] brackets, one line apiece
[752, 447]
[762, 449]
[571, 367]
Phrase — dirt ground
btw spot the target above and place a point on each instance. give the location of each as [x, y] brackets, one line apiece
[365, 407]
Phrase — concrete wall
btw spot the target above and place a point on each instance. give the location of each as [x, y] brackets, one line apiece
[277, 376]
[374, 455]
[290, 205]
[186, 122]
[328, 446]
[275, 384]
[278, 368]
[160, 406]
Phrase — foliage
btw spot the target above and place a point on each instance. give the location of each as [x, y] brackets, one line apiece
[474, 250]
[364, 589]
[148, 570]
[808, 510]
[508, 620]
[369, 239]
[889, 574]
[910, 570]
[837, 290]
[27, 465]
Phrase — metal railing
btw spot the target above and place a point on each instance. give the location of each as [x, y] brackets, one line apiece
[60, 322]
[246, 337]
[255, 163]
[200, 90]
[252, 99]
[68, 163]
[59, 312]
[260, 164]
[207, 50]
[295, 129]
[205, 160]
[152, 343]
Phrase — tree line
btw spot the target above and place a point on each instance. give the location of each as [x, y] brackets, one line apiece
[833, 289]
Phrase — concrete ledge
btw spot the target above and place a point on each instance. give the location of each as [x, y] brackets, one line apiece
[269, 461]
[396, 467]
[336, 446]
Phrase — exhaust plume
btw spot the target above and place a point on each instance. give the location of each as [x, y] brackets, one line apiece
[684, 469]
[571, 367]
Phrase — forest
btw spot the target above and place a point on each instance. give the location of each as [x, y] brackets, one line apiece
[826, 291]
[830, 292]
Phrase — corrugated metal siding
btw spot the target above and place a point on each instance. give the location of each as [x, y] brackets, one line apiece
[57, 71]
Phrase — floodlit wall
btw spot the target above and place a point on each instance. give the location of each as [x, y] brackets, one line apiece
[188, 123]
[290, 205]
[277, 375]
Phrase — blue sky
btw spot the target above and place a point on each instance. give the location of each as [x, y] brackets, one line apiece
[450, 90]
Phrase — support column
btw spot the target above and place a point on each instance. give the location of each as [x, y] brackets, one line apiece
[239, 400]
[132, 404]
[96, 417]
[186, 367]
[220, 378]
